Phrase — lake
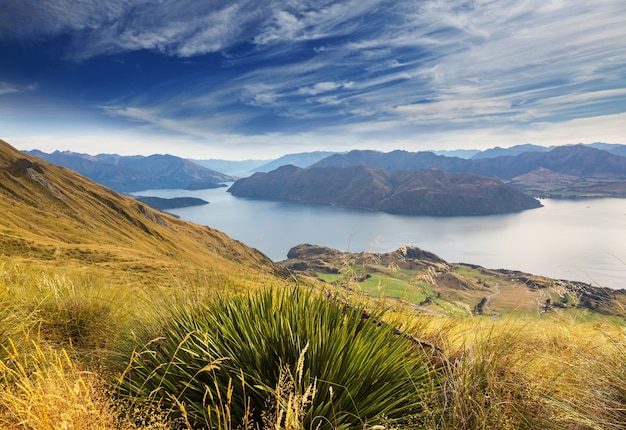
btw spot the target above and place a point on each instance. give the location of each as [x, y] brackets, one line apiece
[582, 240]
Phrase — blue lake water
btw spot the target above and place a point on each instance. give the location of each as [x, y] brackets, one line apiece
[582, 240]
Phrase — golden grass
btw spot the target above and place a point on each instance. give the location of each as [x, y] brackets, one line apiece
[81, 268]
[45, 389]
[513, 372]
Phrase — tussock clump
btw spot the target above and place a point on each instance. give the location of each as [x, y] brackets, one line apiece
[279, 358]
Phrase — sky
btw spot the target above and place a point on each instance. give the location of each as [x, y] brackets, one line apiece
[243, 79]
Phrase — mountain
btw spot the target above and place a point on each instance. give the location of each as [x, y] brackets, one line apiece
[461, 153]
[610, 147]
[246, 168]
[586, 171]
[424, 192]
[573, 160]
[135, 173]
[233, 168]
[618, 150]
[55, 216]
[394, 160]
[514, 150]
[302, 159]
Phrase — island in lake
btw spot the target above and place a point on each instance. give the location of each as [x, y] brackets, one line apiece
[424, 192]
[174, 203]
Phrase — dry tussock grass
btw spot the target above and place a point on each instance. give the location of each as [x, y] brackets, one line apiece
[515, 372]
[44, 389]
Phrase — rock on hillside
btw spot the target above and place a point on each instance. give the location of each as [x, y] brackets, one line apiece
[426, 192]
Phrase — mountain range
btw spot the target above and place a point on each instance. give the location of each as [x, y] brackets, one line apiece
[136, 173]
[565, 171]
[573, 160]
[424, 192]
[591, 170]
[245, 168]
[248, 167]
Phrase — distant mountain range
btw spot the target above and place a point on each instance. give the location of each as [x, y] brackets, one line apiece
[575, 160]
[565, 171]
[591, 170]
[248, 167]
[303, 159]
[136, 173]
[514, 150]
[240, 168]
[425, 192]
[527, 147]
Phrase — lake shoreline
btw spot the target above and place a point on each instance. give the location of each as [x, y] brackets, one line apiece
[579, 240]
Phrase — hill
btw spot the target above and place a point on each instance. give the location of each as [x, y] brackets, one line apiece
[301, 159]
[424, 192]
[593, 172]
[232, 167]
[514, 150]
[424, 279]
[55, 216]
[136, 173]
[176, 202]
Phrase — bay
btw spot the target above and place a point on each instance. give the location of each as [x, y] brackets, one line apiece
[580, 240]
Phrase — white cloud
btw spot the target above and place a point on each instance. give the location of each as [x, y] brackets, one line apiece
[284, 26]
[7, 89]
[320, 87]
[256, 94]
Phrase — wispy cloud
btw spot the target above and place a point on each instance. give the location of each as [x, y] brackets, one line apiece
[8, 88]
[305, 66]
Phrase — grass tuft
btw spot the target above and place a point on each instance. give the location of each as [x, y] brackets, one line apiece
[309, 359]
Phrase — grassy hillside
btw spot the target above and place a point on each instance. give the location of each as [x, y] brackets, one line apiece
[425, 280]
[115, 316]
[56, 217]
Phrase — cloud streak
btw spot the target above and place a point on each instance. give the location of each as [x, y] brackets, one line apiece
[303, 67]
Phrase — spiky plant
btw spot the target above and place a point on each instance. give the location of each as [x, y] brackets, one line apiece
[243, 360]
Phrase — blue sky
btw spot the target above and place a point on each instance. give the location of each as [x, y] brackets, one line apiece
[245, 79]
